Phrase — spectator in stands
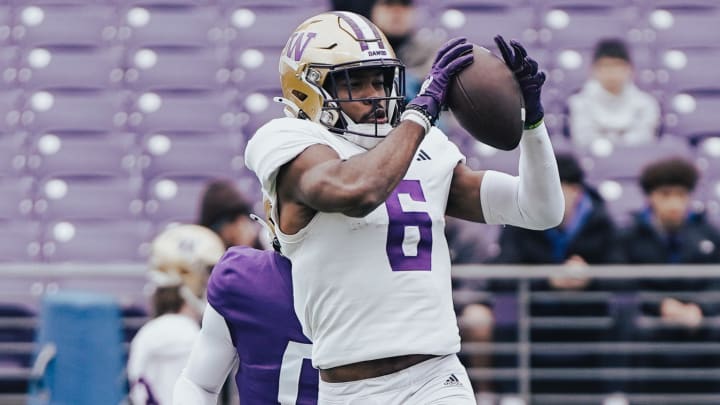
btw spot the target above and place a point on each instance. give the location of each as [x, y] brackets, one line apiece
[669, 232]
[610, 106]
[180, 264]
[416, 49]
[586, 235]
[226, 211]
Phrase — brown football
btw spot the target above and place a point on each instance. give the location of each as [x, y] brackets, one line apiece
[487, 102]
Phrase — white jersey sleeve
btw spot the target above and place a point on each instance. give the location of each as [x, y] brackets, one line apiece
[210, 362]
[277, 143]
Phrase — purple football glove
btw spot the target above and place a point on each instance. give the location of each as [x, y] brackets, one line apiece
[452, 57]
[527, 74]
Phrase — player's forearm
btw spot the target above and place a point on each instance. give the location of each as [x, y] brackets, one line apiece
[358, 185]
[534, 199]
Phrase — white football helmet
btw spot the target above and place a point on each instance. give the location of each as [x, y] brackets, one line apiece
[183, 256]
[327, 47]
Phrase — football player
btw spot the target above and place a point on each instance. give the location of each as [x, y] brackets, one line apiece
[360, 187]
[180, 262]
[250, 325]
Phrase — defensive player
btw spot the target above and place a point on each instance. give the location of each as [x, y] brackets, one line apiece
[250, 320]
[180, 264]
[360, 188]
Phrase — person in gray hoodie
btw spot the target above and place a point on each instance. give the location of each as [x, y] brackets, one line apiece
[609, 105]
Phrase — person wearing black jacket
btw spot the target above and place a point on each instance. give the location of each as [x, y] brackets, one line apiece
[669, 232]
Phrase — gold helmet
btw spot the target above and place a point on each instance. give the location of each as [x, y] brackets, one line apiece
[184, 255]
[323, 48]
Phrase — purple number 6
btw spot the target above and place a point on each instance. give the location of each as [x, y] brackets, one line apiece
[400, 221]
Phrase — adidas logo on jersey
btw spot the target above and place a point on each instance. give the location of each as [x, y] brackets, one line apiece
[452, 381]
[422, 155]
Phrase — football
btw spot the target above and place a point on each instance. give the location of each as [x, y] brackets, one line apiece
[487, 102]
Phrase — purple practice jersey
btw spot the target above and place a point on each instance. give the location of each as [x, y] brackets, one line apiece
[252, 290]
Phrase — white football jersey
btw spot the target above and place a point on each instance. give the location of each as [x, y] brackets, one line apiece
[372, 287]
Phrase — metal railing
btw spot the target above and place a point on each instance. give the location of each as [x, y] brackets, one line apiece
[26, 283]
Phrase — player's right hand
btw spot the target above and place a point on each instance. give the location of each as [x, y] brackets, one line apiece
[452, 57]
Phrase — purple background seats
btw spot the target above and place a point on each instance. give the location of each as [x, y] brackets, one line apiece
[8, 65]
[13, 157]
[176, 68]
[66, 25]
[684, 26]
[111, 154]
[91, 111]
[16, 201]
[93, 68]
[688, 70]
[174, 199]
[627, 162]
[582, 26]
[623, 197]
[9, 110]
[89, 198]
[481, 24]
[150, 26]
[96, 241]
[190, 154]
[258, 108]
[19, 241]
[183, 111]
[254, 68]
[693, 116]
[258, 25]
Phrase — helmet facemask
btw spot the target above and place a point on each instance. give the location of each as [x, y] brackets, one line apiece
[338, 91]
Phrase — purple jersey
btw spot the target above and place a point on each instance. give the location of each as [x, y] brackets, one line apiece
[252, 290]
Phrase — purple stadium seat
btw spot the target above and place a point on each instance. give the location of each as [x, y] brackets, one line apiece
[183, 112]
[71, 111]
[190, 155]
[688, 70]
[97, 241]
[66, 25]
[684, 27]
[622, 199]
[85, 68]
[12, 154]
[84, 154]
[583, 26]
[480, 24]
[627, 162]
[5, 23]
[88, 198]
[259, 108]
[9, 110]
[175, 199]
[265, 25]
[693, 117]
[16, 201]
[146, 26]
[255, 68]
[19, 241]
[708, 160]
[8, 66]
[176, 68]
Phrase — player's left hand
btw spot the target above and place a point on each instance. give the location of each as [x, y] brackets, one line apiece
[528, 76]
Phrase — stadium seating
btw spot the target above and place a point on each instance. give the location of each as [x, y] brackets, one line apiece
[96, 241]
[19, 240]
[66, 25]
[77, 68]
[88, 198]
[188, 26]
[16, 201]
[480, 24]
[102, 154]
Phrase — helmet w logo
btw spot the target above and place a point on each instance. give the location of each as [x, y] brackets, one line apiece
[297, 43]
